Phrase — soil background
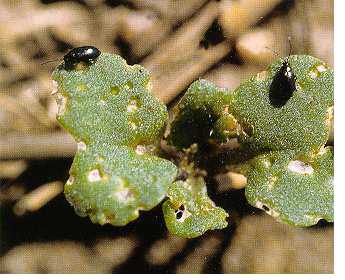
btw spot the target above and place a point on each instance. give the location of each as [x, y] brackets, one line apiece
[222, 41]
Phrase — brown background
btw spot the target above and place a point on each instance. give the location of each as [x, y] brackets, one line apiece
[223, 41]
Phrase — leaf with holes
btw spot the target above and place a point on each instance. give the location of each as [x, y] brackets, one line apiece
[112, 183]
[293, 187]
[189, 212]
[300, 120]
[109, 101]
[118, 123]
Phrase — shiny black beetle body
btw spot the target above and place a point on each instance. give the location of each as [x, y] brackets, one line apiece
[86, 54]
[283, 85]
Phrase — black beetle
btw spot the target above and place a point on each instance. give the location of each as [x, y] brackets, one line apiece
[283, 84]
[86, 54]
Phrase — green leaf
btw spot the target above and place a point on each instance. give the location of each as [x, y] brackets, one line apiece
[302, 123]
[112, 183]
[109, 101]
[189, 212]
[198, 113]
[108, 107]
[293, 187]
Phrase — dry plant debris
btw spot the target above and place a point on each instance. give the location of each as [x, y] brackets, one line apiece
[27, 111]
[153, 34]
[68, 257]
[34, 200]
[260, 245]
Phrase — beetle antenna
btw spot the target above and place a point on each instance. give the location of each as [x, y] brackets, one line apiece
[290, 45]
[48, 61]
[273, 51]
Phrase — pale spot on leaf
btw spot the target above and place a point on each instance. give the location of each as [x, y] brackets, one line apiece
[70, 180]
[140, 150]
[321, 68]
[300, 167]
[81, 146]
[132, 107]
[313, 74]
[124, 195]
[266, 163]
[94, 176]
[133, 125]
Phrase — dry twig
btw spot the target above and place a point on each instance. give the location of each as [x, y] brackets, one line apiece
[180, 59]
[39, 197]
[12, 168]
[37, 146]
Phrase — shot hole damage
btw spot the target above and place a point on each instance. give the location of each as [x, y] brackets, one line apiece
[179, 212]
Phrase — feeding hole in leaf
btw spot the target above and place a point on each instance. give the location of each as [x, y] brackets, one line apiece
[300, 167]
[124, 195]
[70, 180]
[94, 175]
[248, 130]
[81, 146]
[179, 212]
[133, 105]
[316, 70]
[140, 150]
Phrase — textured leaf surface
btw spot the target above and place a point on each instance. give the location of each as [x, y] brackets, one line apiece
[302, 123]
[189, 212]
[197, 114]
[294, 188]
[112, 183]
[117, 122]
[109, 101]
